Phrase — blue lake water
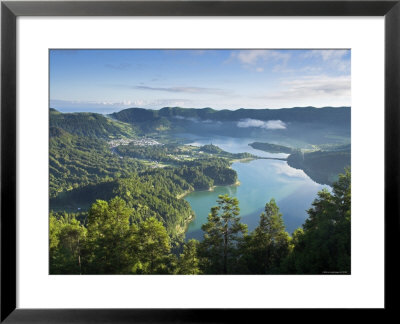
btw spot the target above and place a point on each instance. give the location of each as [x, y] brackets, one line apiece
[231, 144]
[260, 180]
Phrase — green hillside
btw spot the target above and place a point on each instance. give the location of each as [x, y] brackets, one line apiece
[300, 114]
[90, 124]
[75, 161]
[271, 148]
[322, 166]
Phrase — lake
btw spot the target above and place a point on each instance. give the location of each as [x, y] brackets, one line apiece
[260, 180]
[230, 144]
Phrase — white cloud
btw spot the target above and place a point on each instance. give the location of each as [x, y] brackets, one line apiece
[312, 87]
[327, 55]
[336, 58]
[255, 56]
[257, 59]
[270, 124]
[192, 90]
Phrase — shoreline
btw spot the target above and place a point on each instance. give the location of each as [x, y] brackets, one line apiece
[187, 192]
[248, 159]
[181, 230]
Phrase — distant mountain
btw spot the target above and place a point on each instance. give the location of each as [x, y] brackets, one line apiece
[297, 127]
[89, 124]
[297, 114]
[293, 126]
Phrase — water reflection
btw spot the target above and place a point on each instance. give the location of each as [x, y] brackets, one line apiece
[230, 144]
[260, 180]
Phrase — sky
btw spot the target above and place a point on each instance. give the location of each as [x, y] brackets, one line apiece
[105, 81]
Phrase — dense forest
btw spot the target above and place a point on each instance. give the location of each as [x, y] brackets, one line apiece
[298, 126]
[76, 161]
[83, 168]
[327, 115]
[271, 148]
[173, 153]
[116, 202]
[90, 124]
[322, 166]
[117, 238]
[154, 192]
[213, 149]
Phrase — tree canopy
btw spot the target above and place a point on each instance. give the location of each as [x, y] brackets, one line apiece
[122, 236]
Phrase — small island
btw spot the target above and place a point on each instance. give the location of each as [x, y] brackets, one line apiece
[213, 149]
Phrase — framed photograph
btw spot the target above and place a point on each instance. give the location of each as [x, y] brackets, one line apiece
[162, 159]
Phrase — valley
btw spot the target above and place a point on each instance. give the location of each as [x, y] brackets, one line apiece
[198, 167]
[197, 162]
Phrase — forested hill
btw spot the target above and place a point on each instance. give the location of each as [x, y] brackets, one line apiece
[322, 166]
[339, 115]
[122, 236]
[85, 167]
[90, 124]
[76, 161]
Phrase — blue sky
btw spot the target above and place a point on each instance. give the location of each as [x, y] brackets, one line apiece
[110, 80]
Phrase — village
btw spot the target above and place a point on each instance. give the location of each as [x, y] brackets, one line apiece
[144, 141]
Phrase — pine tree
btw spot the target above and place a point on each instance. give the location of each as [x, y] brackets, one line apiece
[324, 246]
[268, 244]
[223, 231]
[108, 237]
[154, 247]
[67, 237]
[189, 261]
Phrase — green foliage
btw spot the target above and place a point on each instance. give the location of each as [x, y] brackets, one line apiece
[327, 115]
[136, 217]
[147, 120]
[216, 169]
[89, 125]
[213, 149]
[66, 238]
[79, 161]
[178, 155]
[152, 193]
[266, 247]
[110, 244]
[324, 245]
[322, 166]
[222, 233]
[153, 248]
[271, 148]
[117, 240]
[122, 237]
[157, 189]
[159, 153]
[108, 237]
[189, 260]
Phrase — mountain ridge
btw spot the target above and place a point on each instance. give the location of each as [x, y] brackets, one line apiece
[88, 124]
[300, 114]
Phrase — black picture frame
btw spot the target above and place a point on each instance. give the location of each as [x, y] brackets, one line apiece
[10, 10]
